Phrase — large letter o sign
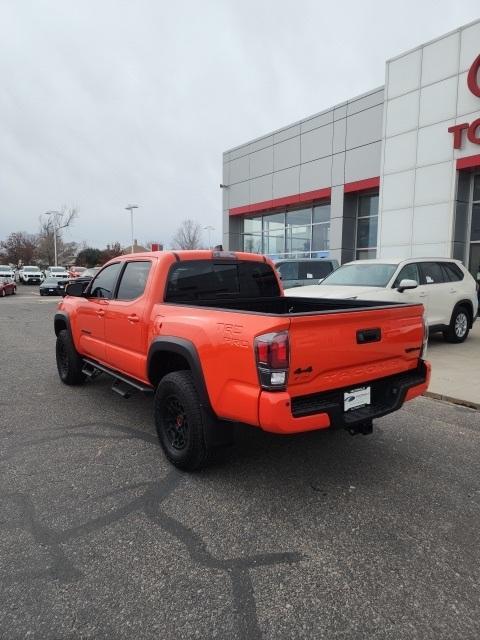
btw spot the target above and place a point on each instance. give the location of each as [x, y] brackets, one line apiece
[472, 78]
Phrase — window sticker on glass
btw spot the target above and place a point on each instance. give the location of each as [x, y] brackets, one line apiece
[429, 280]
[309, 275]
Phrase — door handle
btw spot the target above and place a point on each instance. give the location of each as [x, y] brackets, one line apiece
[100, 313]
[453, 291]
[422, 295]
[133, 318]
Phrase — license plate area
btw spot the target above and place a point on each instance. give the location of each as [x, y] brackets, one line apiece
[356, 398]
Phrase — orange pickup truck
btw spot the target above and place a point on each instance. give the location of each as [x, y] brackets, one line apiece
[213, 337]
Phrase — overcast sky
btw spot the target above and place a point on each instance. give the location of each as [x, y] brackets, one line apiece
[106, 102]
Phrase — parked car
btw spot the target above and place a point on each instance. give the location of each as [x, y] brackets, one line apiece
[89, 273]
[30, 275]
[6, 272]
[57, 272]
[52, 287]
[217, 342]
[84, 277]
[297, 272]
[7, 287]
[75, 272]
[444, 287]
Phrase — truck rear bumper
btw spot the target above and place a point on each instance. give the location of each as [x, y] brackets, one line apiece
[279, 413]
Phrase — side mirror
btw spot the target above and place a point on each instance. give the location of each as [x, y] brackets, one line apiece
[406, 283]
[320, 280]
[75, 289]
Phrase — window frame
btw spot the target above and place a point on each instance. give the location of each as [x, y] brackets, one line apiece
[424, 275]
[285, 232]
[120, 278]
[226, 262]
[88, 290]
[396, 275]
[446, 265]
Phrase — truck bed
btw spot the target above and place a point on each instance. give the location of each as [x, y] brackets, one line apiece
[283, 306]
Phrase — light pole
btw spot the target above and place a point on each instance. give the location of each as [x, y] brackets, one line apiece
[54, 214]
[209, 228]
[130, 208]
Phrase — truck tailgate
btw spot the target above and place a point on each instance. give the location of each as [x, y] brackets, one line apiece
[336, 350]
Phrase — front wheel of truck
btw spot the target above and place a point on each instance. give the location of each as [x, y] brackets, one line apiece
[181, 424]
[69, 363]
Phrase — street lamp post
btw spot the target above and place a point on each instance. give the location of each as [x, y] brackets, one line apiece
[209, 228]
[130, 208]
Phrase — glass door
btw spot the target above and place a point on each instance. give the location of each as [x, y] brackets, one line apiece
[474, 257]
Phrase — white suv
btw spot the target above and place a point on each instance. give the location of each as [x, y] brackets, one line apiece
[57, 272]
[446, 289]
[6, 271]
[30, 275]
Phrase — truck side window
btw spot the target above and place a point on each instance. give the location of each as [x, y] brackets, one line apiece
[133, 281]
[103, 285]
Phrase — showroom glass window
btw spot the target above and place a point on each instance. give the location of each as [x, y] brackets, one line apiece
[274, 234]
[321, 228]
[474, 258]
[298, 230]
[367, 226]
[252, 238]
[292, 233]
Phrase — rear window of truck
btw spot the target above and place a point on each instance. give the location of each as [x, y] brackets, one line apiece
[206, 280]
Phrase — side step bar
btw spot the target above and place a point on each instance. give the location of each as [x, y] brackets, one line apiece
[123, 385]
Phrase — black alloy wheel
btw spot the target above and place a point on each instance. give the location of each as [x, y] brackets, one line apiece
[183, 426]
[69, 362]
[176, 422]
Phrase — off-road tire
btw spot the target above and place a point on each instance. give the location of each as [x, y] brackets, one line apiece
[182, 426]
[459, 326]
[69, 363]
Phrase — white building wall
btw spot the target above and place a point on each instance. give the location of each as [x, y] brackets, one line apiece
[425, 93]
[327, 150]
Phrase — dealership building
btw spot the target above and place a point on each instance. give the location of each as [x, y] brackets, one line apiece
[394, 172]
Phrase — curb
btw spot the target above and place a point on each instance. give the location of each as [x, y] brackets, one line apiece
[459, 401]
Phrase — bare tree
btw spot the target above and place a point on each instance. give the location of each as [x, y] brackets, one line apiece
[53, 223]
[111, 251]
[20, 248]
[188, 235]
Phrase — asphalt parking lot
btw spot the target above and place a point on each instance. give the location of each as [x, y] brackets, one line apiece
[321, 535]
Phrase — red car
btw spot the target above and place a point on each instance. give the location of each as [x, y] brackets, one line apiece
[76, 272]
[7, 286]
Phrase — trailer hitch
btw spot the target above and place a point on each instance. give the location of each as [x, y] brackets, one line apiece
[365, 428]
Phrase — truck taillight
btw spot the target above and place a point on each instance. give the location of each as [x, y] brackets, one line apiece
[272, 352]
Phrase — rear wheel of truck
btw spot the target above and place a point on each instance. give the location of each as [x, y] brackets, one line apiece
[69, 363]
[181, 424]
